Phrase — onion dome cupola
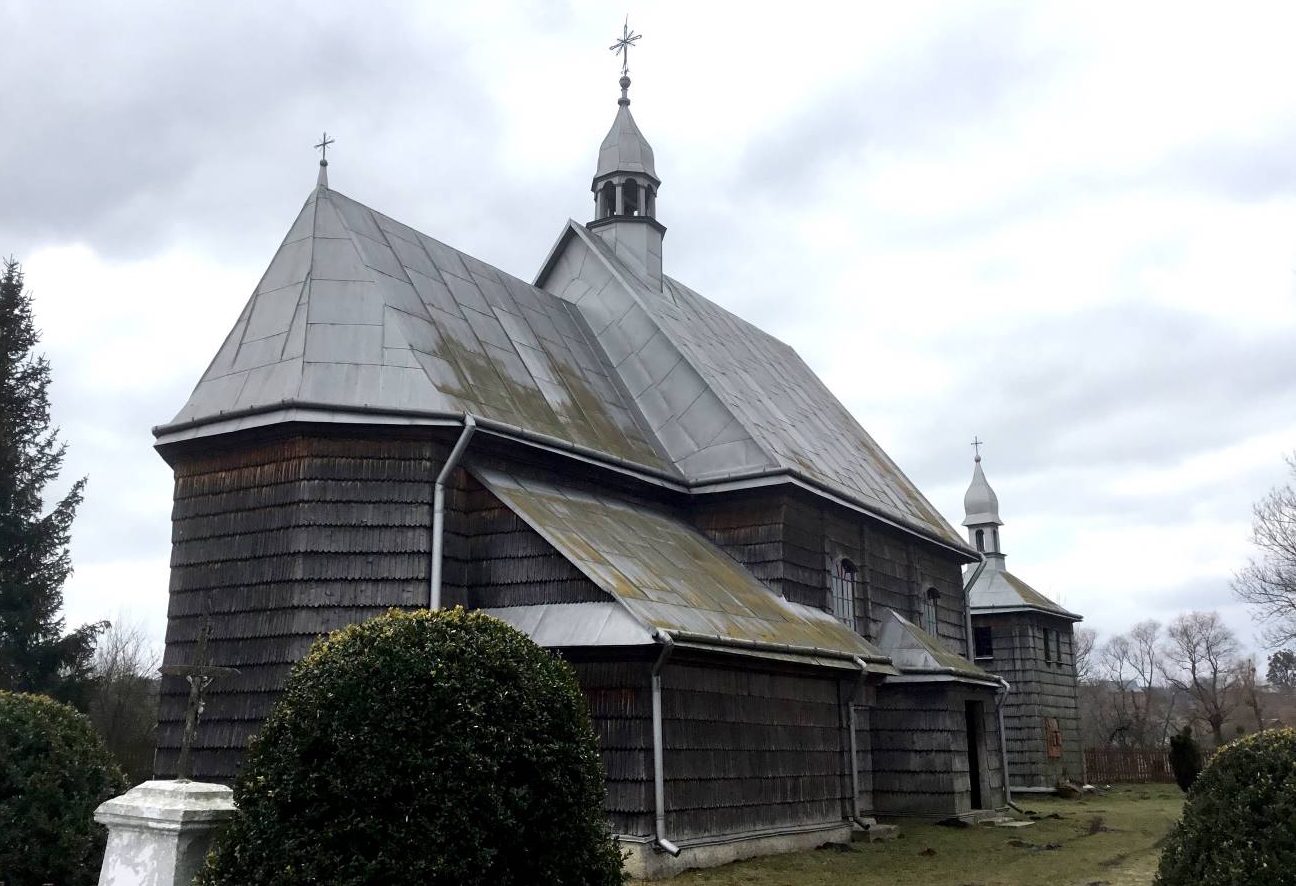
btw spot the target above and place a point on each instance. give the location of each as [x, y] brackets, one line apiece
[625, 187]
[981, 507]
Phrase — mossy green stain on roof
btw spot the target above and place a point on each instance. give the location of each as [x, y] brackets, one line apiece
[665, 572]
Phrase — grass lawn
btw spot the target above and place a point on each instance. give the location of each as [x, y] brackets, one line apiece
[1111, 838]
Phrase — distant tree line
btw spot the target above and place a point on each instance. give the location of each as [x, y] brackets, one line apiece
[1139, 687]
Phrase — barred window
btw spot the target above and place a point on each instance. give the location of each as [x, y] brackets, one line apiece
[844, 577]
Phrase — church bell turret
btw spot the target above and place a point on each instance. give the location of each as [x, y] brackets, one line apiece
[981, 508]
[625, 188]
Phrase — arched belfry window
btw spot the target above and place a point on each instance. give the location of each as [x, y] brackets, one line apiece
[930, 608]
[630, 196]
[844, 579]
[980, 540]
[607, 199]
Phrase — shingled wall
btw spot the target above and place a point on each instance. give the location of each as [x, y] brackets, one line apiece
[1040, 690]
[919, 750]
[282, 541]
[790, 543]
[750, 750]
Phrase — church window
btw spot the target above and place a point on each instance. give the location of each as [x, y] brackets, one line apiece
[844, 577]
[980, 538]
[983, 642]
[1048, 645]
[930, 621]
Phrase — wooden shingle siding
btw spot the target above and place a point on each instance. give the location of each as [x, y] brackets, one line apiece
[620, 699]
[283, 541]
[1040, 689]
[749, 750]
[919, 750]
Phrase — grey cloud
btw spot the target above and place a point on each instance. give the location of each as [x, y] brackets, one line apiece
[964, 75]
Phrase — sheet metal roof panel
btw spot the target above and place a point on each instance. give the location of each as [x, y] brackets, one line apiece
[998, 589]
[666, 573]
[378, 294]
[561, 625]
[912, 649]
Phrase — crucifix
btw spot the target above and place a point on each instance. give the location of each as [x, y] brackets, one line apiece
[622, 46]
[977, 443]
[323, 146]
[199, 675]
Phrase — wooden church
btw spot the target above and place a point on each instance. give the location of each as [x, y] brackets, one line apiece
[768, 618]
[1026, 638]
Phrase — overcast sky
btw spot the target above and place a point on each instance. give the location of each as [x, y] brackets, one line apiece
[1067, 228]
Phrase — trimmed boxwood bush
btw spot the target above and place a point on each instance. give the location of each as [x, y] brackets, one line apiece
[54, 771]
[1239, 821]
[422, 748]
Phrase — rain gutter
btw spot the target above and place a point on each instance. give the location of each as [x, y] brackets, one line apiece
[860, 661]
[659, 754]
[438, 510]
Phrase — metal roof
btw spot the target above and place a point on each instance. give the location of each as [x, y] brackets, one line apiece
[914, 651]
[561, 625]
[359, 311]
[997, 589]
[665, 573]
[625, 149]
[980, 504]
[723, 396]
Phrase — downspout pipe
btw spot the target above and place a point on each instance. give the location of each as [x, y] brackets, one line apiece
[659, 764]
[1001, 695]
[438, 509]
[967, 605]
[854, 745]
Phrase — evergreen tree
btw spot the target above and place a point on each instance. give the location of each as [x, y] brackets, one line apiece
[35, 654]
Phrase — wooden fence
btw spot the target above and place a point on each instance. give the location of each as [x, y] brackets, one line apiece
[1138, 765]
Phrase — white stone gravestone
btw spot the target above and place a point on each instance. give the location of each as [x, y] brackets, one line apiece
[159, 832]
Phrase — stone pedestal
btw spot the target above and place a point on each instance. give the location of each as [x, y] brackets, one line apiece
[159, 832]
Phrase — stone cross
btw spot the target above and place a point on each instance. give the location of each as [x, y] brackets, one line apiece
[622, 46]
[199, 675]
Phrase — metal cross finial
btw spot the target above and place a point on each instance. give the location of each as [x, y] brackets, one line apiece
[977, 443]
[323, 146]
[199, 675]
[622, 46]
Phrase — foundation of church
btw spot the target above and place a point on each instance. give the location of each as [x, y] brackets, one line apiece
[643, 861]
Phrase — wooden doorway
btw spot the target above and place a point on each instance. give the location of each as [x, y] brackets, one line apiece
[975, 715]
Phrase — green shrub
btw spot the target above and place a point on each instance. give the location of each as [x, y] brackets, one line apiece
[421, 748]
[54, 771]
[1239, 821]
[1185, 758]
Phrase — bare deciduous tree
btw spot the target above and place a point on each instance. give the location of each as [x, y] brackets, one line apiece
[1083, 642]
[1268, 583]
[1201, 659]
[1251, 689]
[123, 703]
[1133, 711]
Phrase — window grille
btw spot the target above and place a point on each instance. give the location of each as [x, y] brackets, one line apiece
[844, 577]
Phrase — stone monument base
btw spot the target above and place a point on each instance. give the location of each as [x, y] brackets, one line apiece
[159, 832]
